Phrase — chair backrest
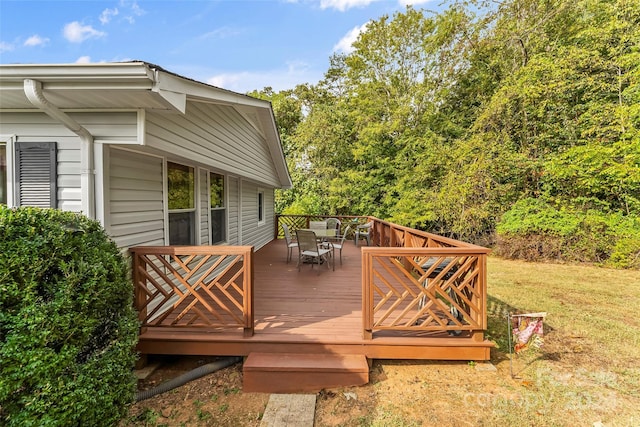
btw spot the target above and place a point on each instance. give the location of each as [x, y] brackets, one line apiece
[344, 235]
[307, 240]
[318, 225]
[287, 235]
[333, 224]
[365, 228]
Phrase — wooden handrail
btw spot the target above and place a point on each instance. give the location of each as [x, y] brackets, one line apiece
[302, 221]
[191, 285]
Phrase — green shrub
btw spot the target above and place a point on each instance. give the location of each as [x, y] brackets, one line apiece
[67, 325]
[535, 230]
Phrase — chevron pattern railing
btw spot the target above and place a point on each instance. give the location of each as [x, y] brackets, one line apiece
[194, 286]
[424, 290]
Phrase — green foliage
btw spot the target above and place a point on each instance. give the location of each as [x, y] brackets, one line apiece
[534, 216]
[535, 230]
[443, 121]
[67, 324]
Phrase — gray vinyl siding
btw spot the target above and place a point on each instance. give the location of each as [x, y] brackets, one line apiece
[69, 188]
[233, 210]
[214, 135]
[38, 127]
[205, 235]
[136, 214]
[267, 231]
[105, 127]
[254, 233]
[68, 194]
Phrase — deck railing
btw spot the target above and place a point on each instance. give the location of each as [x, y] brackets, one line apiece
[194, 286]
[424, 290]
[295, 222]
[417, 282]
[413, 282]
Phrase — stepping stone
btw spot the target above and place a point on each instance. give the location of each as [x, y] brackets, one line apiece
[289, 410]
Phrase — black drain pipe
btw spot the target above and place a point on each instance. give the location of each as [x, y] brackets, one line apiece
[200, 371]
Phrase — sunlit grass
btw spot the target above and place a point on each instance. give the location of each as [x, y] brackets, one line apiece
[588, 371]
[595, 303]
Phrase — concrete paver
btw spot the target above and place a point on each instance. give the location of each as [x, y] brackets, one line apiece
[289, 410]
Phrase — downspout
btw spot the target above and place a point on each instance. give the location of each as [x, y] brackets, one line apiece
[33, 91]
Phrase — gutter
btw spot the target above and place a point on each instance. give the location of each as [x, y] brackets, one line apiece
[33, 92]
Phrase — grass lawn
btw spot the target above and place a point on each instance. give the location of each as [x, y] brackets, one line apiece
[588, 371]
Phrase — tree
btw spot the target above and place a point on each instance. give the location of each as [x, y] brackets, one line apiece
[444, 121]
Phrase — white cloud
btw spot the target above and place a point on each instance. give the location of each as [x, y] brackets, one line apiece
[132, 9]
[345, 45]
[6, 47]
[36, 40]
[107, 14]
[83, 60]
[75, 32]
[343, 5]
[280, 79]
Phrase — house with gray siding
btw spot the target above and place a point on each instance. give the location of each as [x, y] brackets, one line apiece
[157, 158]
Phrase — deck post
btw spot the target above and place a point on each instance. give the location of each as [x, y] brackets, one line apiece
[139, 294]
[367, 297]
[249, 280]
[477, 336]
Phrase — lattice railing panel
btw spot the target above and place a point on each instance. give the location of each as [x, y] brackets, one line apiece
[424, 290]
[203, 286]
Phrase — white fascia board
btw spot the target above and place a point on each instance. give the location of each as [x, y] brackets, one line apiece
[202, 92]
[176, 99]
[80, 76]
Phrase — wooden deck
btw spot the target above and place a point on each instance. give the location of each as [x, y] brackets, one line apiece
[311, 311]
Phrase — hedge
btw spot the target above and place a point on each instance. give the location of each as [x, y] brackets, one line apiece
[536, 230]
[67, 325]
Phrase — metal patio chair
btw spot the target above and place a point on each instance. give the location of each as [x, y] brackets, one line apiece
[310, 249]
[339, 244]
[290, 242]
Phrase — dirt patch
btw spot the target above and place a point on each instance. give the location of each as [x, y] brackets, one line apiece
[400, 391]
[566, 383]
[215, 399]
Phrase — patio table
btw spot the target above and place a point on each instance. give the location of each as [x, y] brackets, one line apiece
[322, 232]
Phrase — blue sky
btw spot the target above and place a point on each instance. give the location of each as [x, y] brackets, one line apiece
[239, 45]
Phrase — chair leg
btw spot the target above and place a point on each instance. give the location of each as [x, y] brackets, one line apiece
[333, 258]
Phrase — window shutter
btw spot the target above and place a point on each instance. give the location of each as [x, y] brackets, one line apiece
[36, 174]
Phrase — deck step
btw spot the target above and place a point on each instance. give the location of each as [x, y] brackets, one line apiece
[302, 373]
